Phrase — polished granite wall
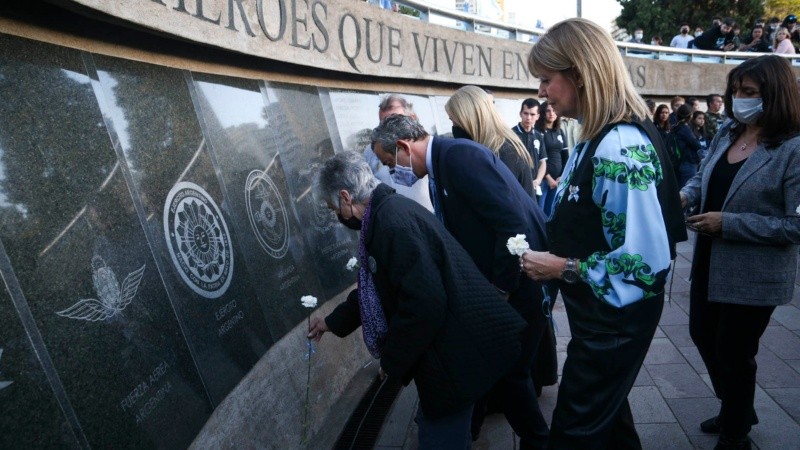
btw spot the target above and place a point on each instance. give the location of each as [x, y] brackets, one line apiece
[157, 230]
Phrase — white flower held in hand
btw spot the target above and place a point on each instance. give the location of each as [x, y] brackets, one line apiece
[798, 209]
[517, 245]
[309, 301]
[352, 264]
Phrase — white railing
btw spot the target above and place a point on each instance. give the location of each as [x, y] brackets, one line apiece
[471, 22]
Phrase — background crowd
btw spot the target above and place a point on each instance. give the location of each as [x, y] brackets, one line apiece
[442, 300]
[725, 34]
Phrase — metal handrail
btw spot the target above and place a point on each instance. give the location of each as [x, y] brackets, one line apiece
[474, 23]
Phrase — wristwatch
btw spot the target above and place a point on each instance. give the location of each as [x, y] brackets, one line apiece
[570, 273]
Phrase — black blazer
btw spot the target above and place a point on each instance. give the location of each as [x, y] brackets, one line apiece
[449, 329]
[483, 205]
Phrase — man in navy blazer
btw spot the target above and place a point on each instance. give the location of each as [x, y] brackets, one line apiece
[482, 205]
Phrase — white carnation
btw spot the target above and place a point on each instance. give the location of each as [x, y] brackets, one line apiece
[517, 245]
[797, 210]
[309, 301]
[352, 264]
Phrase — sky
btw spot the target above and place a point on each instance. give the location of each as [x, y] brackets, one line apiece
[603, 12]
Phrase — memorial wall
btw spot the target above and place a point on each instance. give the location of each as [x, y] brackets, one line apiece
[158, 229]
[157, 221]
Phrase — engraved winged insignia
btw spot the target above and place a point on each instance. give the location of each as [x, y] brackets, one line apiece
[113, 297]
[4, 384]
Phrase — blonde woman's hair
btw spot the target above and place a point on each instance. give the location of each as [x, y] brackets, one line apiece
[777, 32]
[587, 56]
[472, 109]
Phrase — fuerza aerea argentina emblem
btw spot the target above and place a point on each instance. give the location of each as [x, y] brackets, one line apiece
[267, 214]
[198, 239]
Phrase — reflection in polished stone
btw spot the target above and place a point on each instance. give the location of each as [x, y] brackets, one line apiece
[423, 108]
[65, 203]
[31, 416]
[249, 166]
[301, 135]
[355, 115]
[509, 110]
[176, 187]
[444, 126]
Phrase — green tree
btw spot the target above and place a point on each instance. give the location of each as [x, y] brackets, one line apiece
[664, 17]
[780, 8]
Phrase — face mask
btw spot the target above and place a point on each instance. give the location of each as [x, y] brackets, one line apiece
[638, 36]
[747, 110]
[402, 175]
[684, 31]
[352, 222]
[460, 133]
[698, 33]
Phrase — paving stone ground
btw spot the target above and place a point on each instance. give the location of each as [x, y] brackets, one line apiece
[672, 394]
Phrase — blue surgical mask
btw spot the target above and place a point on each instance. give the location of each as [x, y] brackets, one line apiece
[747, 110]
[402, 175]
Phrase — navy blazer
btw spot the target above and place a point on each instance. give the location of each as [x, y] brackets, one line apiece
[483, 205]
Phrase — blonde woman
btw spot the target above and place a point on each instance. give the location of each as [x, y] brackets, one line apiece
[609, 249]
[474, 117]
[783, 42]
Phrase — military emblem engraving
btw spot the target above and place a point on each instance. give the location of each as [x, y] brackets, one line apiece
[112, 298]
[198, 239]
[267, 214]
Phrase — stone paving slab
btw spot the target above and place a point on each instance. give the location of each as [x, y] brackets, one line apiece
[678, 335]
[788, 316]
[648, 406]
[673, 393]
[678, 381]
[663, 436]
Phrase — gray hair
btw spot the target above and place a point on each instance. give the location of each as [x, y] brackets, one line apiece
[386, 104]
[394, 128]
[348, 171]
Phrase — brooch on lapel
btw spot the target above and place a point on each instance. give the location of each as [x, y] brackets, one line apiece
[373, 265]
[573, 193]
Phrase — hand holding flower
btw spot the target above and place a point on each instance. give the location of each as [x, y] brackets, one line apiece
[352, 264]
[317, 328]
[542, 266]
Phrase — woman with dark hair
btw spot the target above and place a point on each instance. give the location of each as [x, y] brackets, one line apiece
[698, 127]
[745, 261]
[661, 120]
[757, 42]
[555, 142]
[687, 145]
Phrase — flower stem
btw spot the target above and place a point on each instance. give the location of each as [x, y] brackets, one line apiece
[307, 408]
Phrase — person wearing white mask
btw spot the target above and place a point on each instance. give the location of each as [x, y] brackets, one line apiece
[746, 253]
[638, 36]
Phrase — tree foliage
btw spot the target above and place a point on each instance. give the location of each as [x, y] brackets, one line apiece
[664, 17]
[780, 8]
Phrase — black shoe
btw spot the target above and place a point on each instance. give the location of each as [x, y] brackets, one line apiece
[712, 426]
[726, 443]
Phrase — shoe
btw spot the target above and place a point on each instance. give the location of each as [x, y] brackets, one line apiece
[725, 443]
[712, 425]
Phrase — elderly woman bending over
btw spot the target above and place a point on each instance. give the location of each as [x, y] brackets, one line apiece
[426, 311]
